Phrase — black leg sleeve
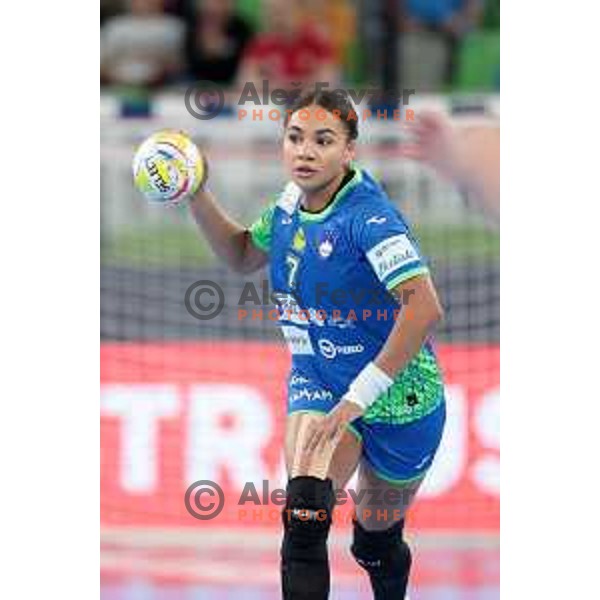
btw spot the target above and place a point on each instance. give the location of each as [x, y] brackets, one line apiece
[306, 523]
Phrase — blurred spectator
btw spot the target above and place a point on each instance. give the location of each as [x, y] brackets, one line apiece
[142, 47]
[336, 19]
[109, 9]
[290, 49]
[454, 17]
[447, 20]
[178, 8]
[215, 41]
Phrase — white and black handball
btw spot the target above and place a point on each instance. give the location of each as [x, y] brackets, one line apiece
[168, 167]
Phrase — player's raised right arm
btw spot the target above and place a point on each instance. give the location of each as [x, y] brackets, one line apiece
[230, 241]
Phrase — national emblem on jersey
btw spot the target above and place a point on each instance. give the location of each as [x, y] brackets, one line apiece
[325, 249]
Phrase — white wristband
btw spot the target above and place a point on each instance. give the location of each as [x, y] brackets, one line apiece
[370, 383]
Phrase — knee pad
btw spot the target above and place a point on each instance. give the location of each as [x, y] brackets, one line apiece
[306, 523]
[386, 557]
[307, 515]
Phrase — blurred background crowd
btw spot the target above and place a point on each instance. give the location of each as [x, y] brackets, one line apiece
[429, 45]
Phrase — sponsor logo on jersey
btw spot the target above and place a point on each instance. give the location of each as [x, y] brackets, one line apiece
[298, 380]
[297, 339]
[291, 312]
[376, 220]
[310, 395]
[299, 241]
[325, 249]
[392, 254]
[330, 350]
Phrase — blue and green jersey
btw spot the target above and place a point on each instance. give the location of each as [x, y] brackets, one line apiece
[332, 273]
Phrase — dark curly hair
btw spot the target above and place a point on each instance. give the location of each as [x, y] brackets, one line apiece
[330, 100]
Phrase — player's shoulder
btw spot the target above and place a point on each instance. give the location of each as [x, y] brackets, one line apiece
[367, 190]
[370, 201]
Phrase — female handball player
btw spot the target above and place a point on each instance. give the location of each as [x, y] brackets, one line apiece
[356, 306]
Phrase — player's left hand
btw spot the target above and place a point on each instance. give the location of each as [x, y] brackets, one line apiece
[330, 429]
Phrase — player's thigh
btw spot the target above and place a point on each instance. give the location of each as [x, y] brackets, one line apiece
[381, 503]
[337, 462]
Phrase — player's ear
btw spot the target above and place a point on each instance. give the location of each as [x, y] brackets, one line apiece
[350, 152]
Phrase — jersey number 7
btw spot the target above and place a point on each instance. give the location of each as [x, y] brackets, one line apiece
[293, 262]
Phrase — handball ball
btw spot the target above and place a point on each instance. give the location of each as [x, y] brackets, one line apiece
[168, 167]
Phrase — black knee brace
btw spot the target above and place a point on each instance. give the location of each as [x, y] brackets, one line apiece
[306, 523]
[386, 557]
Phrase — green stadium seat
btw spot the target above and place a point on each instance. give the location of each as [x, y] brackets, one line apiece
[354, 70]
[251, 10]
[478, 68]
